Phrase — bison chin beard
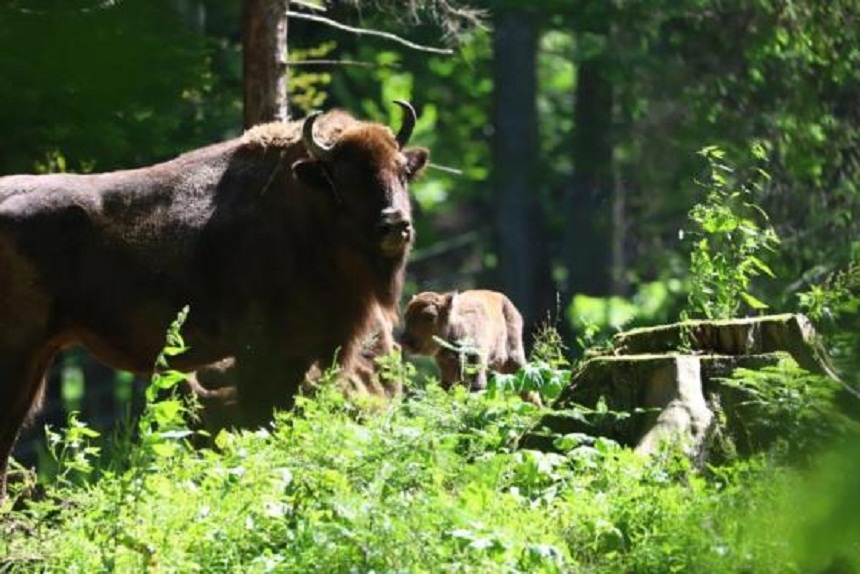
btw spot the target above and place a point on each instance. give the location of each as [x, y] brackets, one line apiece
[394, 247]
[396, 235]
[391, 274]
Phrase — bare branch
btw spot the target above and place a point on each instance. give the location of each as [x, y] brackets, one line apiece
[318, 62]
[446, 245]
[95, 6]
[308, 5]
[445, 168]
[454, 17]
[369, 32]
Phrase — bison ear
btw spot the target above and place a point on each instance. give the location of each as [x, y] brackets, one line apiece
[416, 160]
[311, 173]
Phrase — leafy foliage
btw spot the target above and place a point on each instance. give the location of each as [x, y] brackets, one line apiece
[74, 451]
[436, 479]
[596, 318]
[834, 304]
[730, 236]
[788, 409]
[837, 296]
[79, 82]
[432, 480]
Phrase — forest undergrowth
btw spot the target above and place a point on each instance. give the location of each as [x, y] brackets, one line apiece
[431, 482]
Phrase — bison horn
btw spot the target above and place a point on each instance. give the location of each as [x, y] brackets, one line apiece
[409, 119]
[315, 149]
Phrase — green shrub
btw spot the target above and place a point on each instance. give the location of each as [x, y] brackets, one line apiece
[730, 234]
[433, 483]
[787, 409]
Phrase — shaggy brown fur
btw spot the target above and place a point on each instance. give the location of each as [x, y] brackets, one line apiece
[282, 257]
[215, 385]
[484, 325]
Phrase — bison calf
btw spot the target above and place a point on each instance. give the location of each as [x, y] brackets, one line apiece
[481, 329]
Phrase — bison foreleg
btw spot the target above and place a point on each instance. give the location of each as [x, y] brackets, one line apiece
[474, 371]
[265, 382]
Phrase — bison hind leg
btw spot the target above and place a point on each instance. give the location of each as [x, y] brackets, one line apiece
[22, 383]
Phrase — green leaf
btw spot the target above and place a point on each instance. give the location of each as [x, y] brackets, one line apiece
[761, 266]
[753, 302]
[164, 449]
[87, 432]
[176, 350]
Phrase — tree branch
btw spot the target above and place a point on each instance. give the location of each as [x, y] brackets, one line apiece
[96, 5]
[445, 168]
[369, 32]
[318, 62]
[308, 5]
[452, 16]
[449, 244]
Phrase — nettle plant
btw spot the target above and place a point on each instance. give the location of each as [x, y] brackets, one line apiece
[730, 234]
[546, 373]
[838, 295]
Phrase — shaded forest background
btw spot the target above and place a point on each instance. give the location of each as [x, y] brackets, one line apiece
[573, 127]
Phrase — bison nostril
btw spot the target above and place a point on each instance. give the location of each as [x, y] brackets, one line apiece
[395, 227]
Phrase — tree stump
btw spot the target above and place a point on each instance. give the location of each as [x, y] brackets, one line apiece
[664, 383]
[793, 334]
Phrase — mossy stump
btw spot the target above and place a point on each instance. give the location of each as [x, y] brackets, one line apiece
[664, 383]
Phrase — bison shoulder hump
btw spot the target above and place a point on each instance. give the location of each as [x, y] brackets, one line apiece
[327, 129]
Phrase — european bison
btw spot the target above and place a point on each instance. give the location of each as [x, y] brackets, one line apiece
[483, 328]
[284, 242]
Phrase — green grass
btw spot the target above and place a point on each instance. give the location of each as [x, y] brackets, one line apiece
[428, 484]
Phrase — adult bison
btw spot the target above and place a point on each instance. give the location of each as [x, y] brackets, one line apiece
[284, 242]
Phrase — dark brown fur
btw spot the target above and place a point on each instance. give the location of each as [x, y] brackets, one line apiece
[279, 268]
[484, 321]
[214, 385]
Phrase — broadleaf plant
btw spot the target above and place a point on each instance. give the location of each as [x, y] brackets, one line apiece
[730, 236]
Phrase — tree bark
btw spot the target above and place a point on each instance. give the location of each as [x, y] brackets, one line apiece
[264, 45]
[521, 244]
[588, 241]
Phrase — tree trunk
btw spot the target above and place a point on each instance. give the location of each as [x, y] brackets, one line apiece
[521, 245]
[588, 242]
[264, 45]
[620, 283]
